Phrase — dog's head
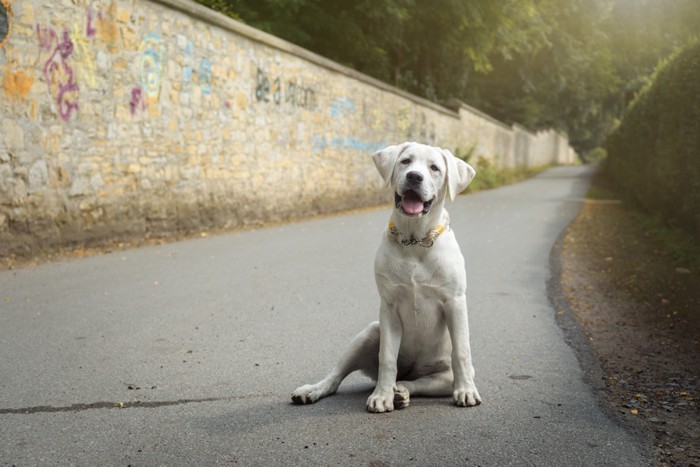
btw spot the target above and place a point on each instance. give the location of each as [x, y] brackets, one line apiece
[421, 176]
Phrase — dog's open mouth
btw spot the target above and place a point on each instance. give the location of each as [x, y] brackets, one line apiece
[411, 203]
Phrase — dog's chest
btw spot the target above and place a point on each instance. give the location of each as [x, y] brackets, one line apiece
[412, 288]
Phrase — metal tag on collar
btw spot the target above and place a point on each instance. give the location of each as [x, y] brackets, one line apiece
[410, 241]
[426, 243]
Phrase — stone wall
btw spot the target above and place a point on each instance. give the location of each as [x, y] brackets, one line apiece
[124, 118]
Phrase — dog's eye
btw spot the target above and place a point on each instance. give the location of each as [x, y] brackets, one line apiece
[434, 168]
[406, 161]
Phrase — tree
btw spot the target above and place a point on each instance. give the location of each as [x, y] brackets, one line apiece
[642, 32]
[427, 47]
[563, 82]
[572, 65]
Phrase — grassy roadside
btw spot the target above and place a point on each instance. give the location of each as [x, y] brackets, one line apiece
[677, 242]
[489, 176]
[631, 285]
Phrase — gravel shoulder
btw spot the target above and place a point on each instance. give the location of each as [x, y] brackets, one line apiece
[633, 312]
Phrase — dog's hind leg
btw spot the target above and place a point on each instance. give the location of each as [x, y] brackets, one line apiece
[361, 354]
[434, 385]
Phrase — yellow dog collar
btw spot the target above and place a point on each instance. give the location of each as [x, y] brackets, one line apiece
[428, 240]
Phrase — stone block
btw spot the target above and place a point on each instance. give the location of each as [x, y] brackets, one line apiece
[38, 176]
[13, 135]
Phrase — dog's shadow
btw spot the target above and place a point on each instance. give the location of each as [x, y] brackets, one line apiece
[251, 415]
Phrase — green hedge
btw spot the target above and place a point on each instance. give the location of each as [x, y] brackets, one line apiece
[654, 154]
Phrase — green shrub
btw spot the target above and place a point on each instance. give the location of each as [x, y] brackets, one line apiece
[490, 176]
[595, 156]
[654, 154]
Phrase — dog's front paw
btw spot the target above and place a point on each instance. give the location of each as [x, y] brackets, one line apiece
[386, 401]
[466, 397]
[381, 401]
[307, 394]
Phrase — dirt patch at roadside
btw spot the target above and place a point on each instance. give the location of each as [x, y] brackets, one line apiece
[44, 255]
[639, 311]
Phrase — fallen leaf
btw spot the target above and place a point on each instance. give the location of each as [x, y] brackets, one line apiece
[634, 411]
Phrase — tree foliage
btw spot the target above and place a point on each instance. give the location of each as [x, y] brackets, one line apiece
[568, 64]
[653, 154]
[561, 83]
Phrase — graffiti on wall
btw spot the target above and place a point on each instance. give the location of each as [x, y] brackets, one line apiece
[205, 75]
[137, 101]
[342, 107]
[266, 90]
[4, 22]
[46, 37]
[407, 122]
[68, 58]
[150, 70]
[151, 65]
[187, 69]
[295, 93]
[57, 71]
[83, 55]
[200, 72]
[319, 143]
[70, 63]
[90, 30]
[300, 96]
[17, 83]
[104, 24]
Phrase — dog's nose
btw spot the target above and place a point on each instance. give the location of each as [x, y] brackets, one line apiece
[414, 177]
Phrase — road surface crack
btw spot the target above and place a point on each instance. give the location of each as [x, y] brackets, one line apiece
[106, 405]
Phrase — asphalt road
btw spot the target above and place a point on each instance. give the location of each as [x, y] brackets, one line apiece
[186, 354]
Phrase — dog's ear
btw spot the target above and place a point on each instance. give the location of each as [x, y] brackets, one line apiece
[385, 160]
[459, 174]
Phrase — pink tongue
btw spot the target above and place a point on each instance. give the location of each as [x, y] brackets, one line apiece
[412, 203]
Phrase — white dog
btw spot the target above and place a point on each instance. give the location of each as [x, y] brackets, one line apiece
[420, 345]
